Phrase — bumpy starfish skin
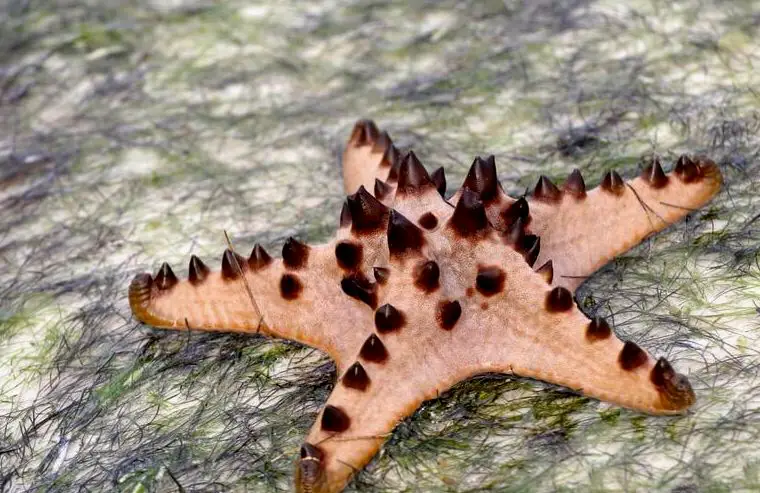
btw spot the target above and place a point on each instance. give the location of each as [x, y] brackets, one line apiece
[298, 303]
[415, 295]
[580, 230]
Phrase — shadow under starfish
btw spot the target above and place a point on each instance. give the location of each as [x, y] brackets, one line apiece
[417, 293]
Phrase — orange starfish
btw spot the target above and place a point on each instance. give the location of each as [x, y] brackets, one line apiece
[417, 293]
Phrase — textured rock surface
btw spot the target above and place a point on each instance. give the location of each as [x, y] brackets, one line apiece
[129, 135]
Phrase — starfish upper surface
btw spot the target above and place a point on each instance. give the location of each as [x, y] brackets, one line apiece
[417, 293]
[580, 230]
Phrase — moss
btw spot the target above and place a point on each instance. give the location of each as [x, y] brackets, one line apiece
[556, 414]
[610, 416]
[639, 425]
[24, 313]
[139, 481]
[751, 472]
[271, 353]
[120, 384]
[675, 429]
[92, 37]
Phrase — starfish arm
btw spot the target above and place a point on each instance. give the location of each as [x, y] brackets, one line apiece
[514, 321]
[399, 366]
[534, 330]
[368, 401]
[581, 231]
[365, 157]
[298, 297]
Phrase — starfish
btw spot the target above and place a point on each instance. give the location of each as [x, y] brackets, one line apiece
[416, 292]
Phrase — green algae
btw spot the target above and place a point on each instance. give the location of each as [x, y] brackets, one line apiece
[120, 384]
[610, 416]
